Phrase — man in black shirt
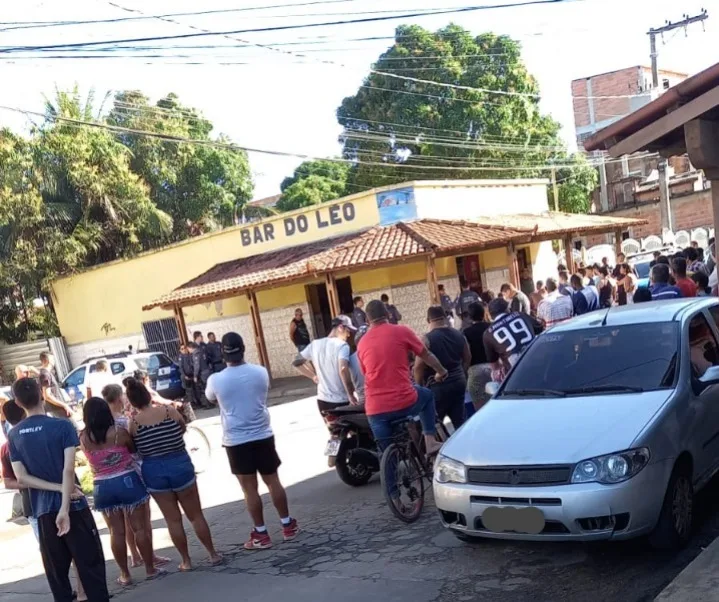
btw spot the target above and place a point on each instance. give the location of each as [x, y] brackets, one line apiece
[480, 371]
[214, 353]
[200, 369]
[359, 317]
[462, 303]
[506, 338]
[394, 316]
[299, 333]
[452, 350]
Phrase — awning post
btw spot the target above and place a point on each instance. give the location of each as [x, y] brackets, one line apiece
[617, 243]
[181, 326]
[568, 254]
[432, 281]
[258, 332]
[512, 264]
[332, 295]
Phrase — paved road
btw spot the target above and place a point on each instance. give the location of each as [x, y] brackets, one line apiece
[353, 549]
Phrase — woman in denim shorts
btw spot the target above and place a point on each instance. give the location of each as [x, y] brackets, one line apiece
[118, 488]
[167, 469]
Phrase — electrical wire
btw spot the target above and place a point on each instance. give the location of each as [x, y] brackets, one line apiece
[234, 147]
[416, 14]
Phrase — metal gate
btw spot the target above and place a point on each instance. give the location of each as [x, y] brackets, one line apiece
[162, 335]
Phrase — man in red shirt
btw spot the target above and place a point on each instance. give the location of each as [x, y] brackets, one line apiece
[389, 393]
[686, 285]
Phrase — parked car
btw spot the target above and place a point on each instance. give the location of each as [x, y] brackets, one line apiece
[605, 428]
[164, 374]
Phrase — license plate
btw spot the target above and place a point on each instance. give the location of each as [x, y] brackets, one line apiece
[333, 446]
[518, 520]
[163, 384]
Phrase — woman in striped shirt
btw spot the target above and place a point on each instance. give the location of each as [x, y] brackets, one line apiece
[168, 471]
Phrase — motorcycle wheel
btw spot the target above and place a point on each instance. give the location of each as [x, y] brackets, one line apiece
[354, 476]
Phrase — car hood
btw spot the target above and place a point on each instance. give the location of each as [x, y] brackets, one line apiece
[552, 430]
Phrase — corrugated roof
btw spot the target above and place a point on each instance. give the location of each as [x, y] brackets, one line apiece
[378, 245]
[556, 223]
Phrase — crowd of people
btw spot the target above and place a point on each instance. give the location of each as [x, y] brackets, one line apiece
[133, 441]
[133, 438]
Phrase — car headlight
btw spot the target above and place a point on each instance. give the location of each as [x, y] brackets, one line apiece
[612, 468]
[447, 470]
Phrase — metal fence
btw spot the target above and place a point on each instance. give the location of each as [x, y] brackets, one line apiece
[162, 335]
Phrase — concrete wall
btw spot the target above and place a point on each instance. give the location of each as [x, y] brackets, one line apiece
[688, 212]
[491, 198]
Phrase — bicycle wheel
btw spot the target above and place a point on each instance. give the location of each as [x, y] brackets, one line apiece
[198, 446]
[402, 483]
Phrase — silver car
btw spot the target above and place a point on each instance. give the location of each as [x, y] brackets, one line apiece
[605, 429]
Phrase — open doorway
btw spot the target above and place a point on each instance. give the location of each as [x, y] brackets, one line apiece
[319, 303]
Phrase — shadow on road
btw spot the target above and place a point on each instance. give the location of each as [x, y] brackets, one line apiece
[349, 533]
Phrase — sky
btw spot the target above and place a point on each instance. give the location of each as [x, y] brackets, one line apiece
[269, 98]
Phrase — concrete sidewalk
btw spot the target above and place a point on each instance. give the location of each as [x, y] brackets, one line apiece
[283, 390]
[698, 582]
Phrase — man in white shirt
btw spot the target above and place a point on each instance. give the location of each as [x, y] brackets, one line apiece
[100, 378]
[241, 392]
[555, 307]
[327, 362]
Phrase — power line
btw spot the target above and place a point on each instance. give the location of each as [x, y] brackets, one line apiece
[466, 9]
[15, 25]
[233, 147]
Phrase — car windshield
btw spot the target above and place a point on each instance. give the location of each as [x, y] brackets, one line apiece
[609, 359]
[642, 269]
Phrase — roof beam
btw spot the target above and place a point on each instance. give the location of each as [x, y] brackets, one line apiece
[702, 140]
[666, 124]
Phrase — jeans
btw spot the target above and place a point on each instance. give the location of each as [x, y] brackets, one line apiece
[168, 472]
[449, 401]
[381, 424]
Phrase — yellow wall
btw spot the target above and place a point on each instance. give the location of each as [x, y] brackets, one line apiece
[114, 293]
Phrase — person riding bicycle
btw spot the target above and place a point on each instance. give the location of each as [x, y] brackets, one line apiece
[507, 337]
[389, 393]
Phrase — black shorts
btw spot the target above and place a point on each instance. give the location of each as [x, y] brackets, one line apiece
[253, 457]
[326, 406]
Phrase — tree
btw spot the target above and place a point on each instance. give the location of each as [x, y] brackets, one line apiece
[201, 187]
[314, 182]
[576, 185]
[399, 130]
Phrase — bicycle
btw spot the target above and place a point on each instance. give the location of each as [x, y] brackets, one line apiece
[404, 468]
[196, 441]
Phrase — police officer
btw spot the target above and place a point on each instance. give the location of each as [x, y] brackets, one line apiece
[200, 369]
[214, 353]
[463, 301]
[188, 373]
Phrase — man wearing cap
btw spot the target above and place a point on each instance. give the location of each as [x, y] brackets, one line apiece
[241, 392]
[327, 362]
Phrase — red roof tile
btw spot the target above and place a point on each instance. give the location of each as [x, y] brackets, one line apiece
[378, 245]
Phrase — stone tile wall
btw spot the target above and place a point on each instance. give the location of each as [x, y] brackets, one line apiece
[276, 326]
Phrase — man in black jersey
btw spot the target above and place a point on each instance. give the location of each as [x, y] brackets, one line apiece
[507, 337]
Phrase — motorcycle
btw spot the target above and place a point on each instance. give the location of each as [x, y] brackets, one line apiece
[351, 445]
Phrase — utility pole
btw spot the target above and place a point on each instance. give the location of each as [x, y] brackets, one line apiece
[555, 190]
[662, 166]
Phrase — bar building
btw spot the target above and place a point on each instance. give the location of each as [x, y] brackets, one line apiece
[402, 240]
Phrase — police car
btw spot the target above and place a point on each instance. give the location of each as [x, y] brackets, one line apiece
[164, 374]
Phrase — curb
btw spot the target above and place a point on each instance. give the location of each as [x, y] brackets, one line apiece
[305, 392]
[699, 581]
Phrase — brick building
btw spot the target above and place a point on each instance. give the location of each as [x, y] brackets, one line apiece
[607, 97]
[630, 187]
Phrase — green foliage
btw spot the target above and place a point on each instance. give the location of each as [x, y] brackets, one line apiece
[314, 182]
[200, 187]
[73, 195]
[577, 184]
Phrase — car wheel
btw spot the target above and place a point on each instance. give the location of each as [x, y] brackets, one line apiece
[465, 537]
[675, 519]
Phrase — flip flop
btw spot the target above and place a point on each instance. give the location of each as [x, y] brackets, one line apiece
[217, 561]
[120, 581]
[184, 570]
[158, 573]
[161, 560]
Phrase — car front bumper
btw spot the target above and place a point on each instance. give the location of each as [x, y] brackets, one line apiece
[619, 511]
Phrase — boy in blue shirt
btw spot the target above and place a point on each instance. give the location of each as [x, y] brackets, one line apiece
[42, 452]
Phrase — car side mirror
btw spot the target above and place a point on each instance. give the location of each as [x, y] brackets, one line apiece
[491, 388]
